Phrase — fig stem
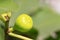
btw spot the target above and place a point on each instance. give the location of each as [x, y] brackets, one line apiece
[19, 36]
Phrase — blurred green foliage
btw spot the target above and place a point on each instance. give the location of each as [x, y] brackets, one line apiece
[45, 20]
[2, 34]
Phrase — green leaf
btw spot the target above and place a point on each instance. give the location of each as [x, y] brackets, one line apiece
[47, 22]
[8, 5]
[25, 6]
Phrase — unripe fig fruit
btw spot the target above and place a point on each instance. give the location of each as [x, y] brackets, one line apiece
[23, 23]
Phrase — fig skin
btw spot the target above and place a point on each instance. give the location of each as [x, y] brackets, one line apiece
[23, 23]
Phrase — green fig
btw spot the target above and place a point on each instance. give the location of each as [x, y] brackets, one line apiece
[23, 23]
